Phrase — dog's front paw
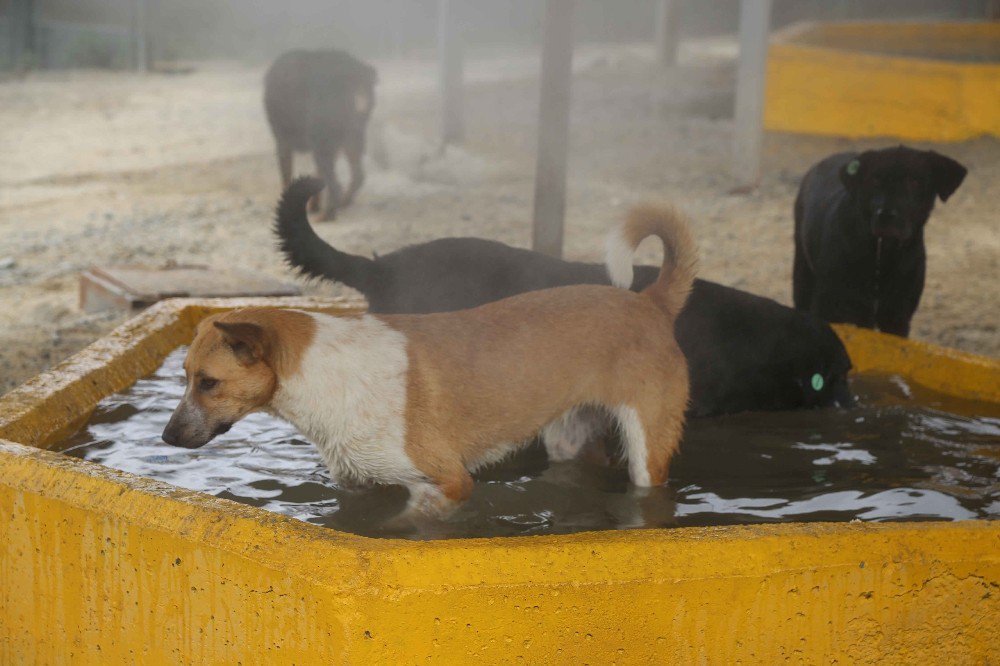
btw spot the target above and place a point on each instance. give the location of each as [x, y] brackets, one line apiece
[427, 520]
[353, 485]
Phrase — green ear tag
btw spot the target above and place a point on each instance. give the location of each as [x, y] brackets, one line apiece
[817, 382]
[852, 169]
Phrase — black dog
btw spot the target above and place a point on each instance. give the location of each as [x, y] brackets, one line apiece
[320, 102]
[859, 234]
[744, 352]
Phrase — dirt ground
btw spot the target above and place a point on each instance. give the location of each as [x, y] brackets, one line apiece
[100, 167]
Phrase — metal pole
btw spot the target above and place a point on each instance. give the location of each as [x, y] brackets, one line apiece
[668, 14]
[450, 54]
[553, 128]
[397, 31]
[748, 131]
[139, 51]
[22, 32]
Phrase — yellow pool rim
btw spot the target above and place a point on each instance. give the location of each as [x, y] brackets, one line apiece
[99, 566]
[816, 86]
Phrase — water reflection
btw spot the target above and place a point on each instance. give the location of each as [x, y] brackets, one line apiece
[903, 454]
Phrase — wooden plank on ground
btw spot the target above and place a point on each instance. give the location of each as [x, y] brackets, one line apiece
[137, 287]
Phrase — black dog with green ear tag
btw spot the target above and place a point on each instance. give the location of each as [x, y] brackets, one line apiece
[859, 234]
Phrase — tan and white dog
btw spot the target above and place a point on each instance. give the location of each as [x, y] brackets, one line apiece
[423, 400]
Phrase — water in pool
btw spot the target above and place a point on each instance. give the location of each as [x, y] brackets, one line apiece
[903, 454]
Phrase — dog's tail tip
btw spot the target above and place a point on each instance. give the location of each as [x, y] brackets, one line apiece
[291, 210]
[680, 253]
[304, 186]
[618, 259]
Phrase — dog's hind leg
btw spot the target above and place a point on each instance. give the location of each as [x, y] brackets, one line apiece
[635, 442]
[565, 437]
[325, 159]
[285, 163]
[354, 148]
[651, 434]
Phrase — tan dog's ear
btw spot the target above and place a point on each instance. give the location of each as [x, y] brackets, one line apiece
[206, 322]
[248, 342]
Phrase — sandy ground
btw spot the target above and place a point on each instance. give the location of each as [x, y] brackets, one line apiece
[107, 168]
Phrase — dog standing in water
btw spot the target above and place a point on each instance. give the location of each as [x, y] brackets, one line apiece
[423, 400]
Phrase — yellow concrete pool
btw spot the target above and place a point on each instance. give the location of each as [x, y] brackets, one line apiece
[912, 81]
[98, 566]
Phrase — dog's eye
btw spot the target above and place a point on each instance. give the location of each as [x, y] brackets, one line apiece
[207, 383]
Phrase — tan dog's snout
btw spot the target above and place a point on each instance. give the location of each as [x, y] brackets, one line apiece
[188, 426]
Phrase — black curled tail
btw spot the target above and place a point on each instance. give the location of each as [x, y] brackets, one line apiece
[305, 251]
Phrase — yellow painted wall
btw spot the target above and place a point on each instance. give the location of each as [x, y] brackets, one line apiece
[100, 567]
[816, 85]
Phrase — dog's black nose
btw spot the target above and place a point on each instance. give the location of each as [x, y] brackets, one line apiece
[169, 436]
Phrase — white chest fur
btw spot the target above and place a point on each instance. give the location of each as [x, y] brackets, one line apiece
[349, 399]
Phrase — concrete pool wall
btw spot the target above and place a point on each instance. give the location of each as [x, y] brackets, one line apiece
[912, 81]
[99, 566]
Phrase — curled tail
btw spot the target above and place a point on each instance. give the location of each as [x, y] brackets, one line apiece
[306, 251]
[680, 255]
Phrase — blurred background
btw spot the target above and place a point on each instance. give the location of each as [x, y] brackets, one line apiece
[133, 132]
[100, 33]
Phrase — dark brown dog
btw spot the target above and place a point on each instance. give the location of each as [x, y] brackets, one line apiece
[859, 234]
[320, 102]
